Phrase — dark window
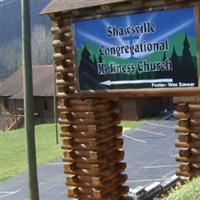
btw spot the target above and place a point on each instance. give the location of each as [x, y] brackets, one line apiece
[6, 103]
[45, 105]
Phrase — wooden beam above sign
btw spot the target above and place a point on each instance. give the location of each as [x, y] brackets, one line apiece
[63, 6]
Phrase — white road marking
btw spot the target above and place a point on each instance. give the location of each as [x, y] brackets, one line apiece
[56, 163]
[160, 166]
[154, 162]
[60, 194]
[151, 132]
[53, 186]
[160, 125]
[173, 155]
[170, 115]
[144, 180]
[6, 193]
[134, 139]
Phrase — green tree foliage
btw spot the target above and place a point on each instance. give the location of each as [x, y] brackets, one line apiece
[184, 67]
[95, 60]
[11, 52]
[100, 59]
[10, 57]
[87, 70]
[41, 42]
[177, 71]
[187, 62]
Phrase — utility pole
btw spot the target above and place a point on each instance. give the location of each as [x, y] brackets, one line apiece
[28, 101]
[55, 106]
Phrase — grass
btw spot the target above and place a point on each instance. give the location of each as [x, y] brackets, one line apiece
[131, 124]
[189, 191]
[13, 160]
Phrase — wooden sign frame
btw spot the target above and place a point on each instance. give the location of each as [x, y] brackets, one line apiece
[147, 91]
[90, 121]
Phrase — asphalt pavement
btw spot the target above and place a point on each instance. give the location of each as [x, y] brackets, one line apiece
[149, 154]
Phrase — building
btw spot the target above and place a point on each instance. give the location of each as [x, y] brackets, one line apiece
[11, 96]
[143, 107]
[11, 100]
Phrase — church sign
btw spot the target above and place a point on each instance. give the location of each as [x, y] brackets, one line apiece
[136, 51]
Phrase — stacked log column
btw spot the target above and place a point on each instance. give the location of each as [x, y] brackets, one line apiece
[91, 133]
[188, 113]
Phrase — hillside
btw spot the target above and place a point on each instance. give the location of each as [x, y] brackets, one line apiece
[10, 37]
[10, 18]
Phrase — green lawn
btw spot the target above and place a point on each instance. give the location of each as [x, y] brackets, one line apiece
[13, 150]
[131, 124]
[13, 154]
[189, 191]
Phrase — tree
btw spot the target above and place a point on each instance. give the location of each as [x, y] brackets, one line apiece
[160, 74]
[164, 57]
[95, 60]
[10, 57]
[100, 59]
[88, 71]
[42, 49]
[177, 69]
[11, 52]
[187, 62]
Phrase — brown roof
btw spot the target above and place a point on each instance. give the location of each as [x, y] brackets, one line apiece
[42, 82]
[67, 5]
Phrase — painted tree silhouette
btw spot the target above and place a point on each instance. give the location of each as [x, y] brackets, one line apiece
[162, 74]
[164, 56]
[100, 59]
[187, 62]
[167, 74]
[95, 60]
[177, 69]
[88, 73]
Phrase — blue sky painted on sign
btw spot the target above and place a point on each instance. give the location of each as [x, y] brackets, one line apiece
[168, 24]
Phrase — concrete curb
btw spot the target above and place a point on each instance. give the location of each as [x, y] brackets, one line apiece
[154, 190]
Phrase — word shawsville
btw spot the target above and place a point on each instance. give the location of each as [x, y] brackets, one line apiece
[144, 28]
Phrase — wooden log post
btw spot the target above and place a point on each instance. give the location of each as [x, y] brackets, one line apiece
[188, 128]
[91, 131]
[93, 149]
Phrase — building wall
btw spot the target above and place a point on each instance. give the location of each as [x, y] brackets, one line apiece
[148, 106]
[7, 112]
[131, 108]
[128, 108]
[3, 104]
[9, 108]
[137, 108]
[3, 118]
[1, 100]
[43, 110]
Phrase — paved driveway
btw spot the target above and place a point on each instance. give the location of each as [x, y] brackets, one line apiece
[150, 156]
[150, 152]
